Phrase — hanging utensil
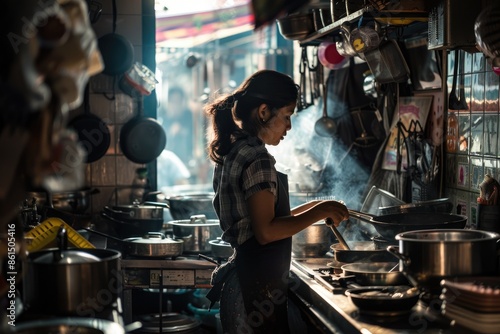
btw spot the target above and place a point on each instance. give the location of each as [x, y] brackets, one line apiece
[142, 139]
[93, 133]
[325, 126]
[302, 103]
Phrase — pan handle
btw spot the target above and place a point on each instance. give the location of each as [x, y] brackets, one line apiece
[103, 234]
[362, 216]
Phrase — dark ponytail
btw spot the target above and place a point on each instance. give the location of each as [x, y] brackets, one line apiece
[235, 114]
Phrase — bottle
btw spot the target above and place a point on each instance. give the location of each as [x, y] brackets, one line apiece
[452, 133]
[139, 185]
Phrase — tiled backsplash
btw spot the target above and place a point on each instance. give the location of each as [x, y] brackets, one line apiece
[478, 133]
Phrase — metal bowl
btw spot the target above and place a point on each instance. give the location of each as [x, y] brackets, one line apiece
[297, 26]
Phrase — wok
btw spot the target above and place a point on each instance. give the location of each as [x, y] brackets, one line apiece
[390, 225]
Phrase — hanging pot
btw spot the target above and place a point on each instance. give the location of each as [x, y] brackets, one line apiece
[117, 52]
[142, 139]
[93, 133]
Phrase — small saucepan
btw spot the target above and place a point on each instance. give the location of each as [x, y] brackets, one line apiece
[152, 244]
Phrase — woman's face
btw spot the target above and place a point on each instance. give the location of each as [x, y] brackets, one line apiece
[276, 127]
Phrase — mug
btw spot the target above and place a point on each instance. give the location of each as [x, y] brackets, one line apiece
[488, 218]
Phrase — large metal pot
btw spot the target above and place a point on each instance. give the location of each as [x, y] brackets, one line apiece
[388, 226]
[196, 232]
[313, 241]
[428, 256]
[71, 282]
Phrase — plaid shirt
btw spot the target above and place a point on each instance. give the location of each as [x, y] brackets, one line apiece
[247, 169]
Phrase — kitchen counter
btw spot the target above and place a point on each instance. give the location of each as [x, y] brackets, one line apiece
[332, 312]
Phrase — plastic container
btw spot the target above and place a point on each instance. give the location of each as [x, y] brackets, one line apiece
[139, 80]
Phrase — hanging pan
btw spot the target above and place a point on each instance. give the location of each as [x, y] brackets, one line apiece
[93, 133]
[142, 139]
[117, 52]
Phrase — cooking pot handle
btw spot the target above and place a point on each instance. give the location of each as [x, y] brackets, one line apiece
[160, 204]
[154, 235]
[110, 211]
[361, 215]
[62, 243]
[394, 250]
[194, 218]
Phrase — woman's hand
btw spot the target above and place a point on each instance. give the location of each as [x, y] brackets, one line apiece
[336, 210]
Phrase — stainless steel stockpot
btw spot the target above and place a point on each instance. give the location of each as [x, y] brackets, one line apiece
[428, 256]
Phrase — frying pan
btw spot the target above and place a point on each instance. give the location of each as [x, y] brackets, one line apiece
[390, 225]
[434, 205]
[375, 274]
[92, 132]
[142, 139]
[361, 251]
[117, 52]
[384, 300]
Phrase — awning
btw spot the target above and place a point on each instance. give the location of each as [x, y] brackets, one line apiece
[192, 29]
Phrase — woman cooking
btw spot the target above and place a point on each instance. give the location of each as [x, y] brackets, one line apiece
[251, 201]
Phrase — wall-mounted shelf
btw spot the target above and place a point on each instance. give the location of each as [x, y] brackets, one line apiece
[368, 11]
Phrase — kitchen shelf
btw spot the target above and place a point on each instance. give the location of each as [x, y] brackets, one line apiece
[368, 12]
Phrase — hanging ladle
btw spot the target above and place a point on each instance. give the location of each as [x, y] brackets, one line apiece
[325, 126]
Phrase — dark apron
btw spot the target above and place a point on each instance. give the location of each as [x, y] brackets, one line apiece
[263, 272]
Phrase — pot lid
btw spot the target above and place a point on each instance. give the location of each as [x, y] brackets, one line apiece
[70, 324]
[171, 323]
[66, 257]
[195, 221]
[153, 238]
